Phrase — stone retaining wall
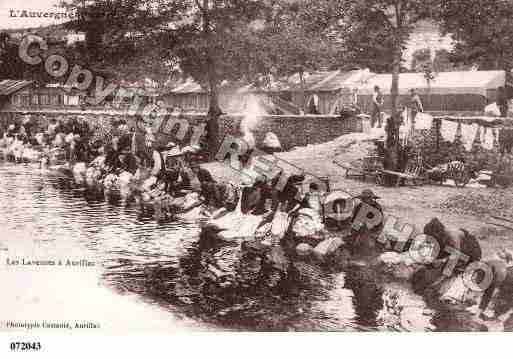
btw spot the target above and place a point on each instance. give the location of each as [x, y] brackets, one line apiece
[292, 131]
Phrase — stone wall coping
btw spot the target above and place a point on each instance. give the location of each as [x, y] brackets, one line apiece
[184, 115]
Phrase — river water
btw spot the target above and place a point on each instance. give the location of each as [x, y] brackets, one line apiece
[132, 273]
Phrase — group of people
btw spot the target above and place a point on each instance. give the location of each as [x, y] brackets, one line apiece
[69, 135]
[174, 175]
[413, 106]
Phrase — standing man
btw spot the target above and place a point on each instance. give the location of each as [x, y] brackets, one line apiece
[414, 106]
[377, 106]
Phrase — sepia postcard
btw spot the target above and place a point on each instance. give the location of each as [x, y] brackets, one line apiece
[255, 166]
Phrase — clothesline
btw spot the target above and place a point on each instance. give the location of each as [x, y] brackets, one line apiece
[496, 122]
[471, 132]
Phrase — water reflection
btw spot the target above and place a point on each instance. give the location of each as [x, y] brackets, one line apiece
[168, 266]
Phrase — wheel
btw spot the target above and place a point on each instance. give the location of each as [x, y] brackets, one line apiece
[461, 179]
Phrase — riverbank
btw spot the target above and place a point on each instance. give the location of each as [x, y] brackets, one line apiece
[468, 208]
[154, 270]
[417, 205]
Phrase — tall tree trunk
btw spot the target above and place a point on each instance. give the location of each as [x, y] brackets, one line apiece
[393, 123]
[303, 91]
[214, 112]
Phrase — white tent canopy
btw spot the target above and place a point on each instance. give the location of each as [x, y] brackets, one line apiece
[444, 83]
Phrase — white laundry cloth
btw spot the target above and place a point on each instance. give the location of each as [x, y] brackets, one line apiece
[423, 121]
[468, 135]
[448, 130]
[487, 138]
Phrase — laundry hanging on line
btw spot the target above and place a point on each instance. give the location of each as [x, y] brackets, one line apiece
[487, 138]
[423, 121]
[448, 130]
[468, 135]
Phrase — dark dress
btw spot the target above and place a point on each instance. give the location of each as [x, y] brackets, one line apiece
[82, 151]
[203, 176]
[254, 198]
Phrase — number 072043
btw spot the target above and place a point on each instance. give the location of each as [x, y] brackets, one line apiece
[25, 346]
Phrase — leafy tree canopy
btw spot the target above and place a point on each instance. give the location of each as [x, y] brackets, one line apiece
[482, 29]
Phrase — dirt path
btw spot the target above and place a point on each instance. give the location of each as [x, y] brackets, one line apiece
[418, 205]
[412, 205]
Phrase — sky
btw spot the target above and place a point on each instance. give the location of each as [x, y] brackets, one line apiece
[9, 22]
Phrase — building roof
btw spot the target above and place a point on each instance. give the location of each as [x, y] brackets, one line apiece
[324, 81]
[311, 79]
[8, 87]
[188, 86]
[457, 82]
[315, 82]
[340, 80]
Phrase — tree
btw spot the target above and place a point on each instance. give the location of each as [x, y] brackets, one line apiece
[10, 64]
[206, 39]
[247, 40]
[391, 20]
[217, 43]
[483, 31]
[300, 37]
[123, 37]
[420, 59]
[13, 67]
[210, 40]
[443, 62]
